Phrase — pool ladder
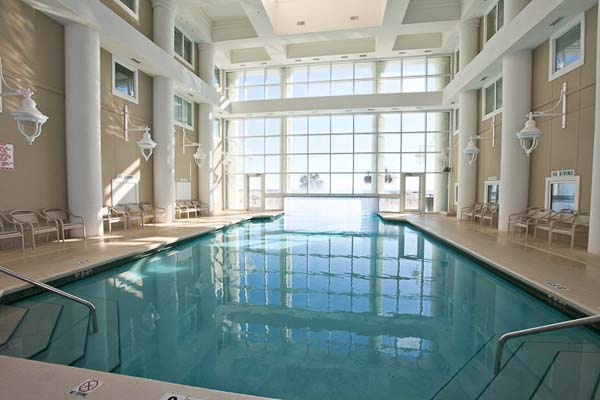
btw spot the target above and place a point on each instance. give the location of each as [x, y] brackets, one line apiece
[539, 329]
[58, 292]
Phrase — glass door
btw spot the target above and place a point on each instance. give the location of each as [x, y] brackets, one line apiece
[413, 192]
[255, 192]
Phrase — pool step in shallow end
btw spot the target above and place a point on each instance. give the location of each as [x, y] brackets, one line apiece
[10, 318]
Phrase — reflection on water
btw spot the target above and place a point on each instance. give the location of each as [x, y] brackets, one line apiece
[377, 311]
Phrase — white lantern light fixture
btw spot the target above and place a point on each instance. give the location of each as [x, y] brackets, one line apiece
[146, 144]
[199, 155]
[27, 114]
[472, 151]
[529, 136]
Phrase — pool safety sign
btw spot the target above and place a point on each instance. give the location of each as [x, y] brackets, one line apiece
[86, 387]
[173, 396]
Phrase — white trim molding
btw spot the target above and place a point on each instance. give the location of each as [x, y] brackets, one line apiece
[115, 92]
[133, 13]
[552, 74]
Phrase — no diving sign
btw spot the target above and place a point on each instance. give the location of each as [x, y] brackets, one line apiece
[86, 387]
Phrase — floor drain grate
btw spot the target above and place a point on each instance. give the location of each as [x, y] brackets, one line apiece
[557, 286]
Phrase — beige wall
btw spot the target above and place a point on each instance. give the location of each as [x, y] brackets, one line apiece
[185, 166]
[488, 161]
[118, 156]
[569, 148]
[146, 18]
[32, 51]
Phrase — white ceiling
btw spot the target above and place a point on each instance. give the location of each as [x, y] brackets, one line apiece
[250, 33]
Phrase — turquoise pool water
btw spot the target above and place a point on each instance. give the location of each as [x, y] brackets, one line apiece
[306, 308]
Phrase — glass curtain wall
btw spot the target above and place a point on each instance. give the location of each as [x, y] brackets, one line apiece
[405, 75]
[345, 154]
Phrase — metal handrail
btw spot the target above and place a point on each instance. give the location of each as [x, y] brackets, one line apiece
[539, 329]
[58, 292]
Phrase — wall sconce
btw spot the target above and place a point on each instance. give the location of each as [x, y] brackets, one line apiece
[445, 161]
[199, 155]
[529, 136]
[146, 144]
[27, 113]
[472, 151]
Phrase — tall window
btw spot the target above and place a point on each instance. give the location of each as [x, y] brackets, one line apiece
[184, 112]
[494, 20]
[184, 47]
[492, 98]
[130, 6]
[562, 193]
[492, 192]
[567, 48]
[346, 154]
[408, 75]
[125, 80]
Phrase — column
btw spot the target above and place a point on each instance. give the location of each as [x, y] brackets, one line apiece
[162, 110]
[468, 32]
[514, 163]
[207, 188]
[594, 235]
[82, 105]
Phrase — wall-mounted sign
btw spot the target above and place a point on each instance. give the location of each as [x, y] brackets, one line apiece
[7, 157]
[564, 172]
[122, 178]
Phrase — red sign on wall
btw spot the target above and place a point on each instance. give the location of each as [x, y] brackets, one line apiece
[7, 160]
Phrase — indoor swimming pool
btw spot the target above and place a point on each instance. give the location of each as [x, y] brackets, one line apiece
[314, 307]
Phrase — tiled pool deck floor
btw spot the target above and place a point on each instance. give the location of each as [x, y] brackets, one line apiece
[540, 266]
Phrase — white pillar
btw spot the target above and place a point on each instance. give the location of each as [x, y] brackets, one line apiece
[594, 235]
[82, 106]
[162, 108]
[514, 163]
[206, 186]
[468, 32]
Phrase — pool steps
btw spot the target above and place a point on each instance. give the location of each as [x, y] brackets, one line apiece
[60, 332]
[541, 369]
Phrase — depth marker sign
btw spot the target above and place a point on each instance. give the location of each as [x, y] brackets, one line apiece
[85, 387]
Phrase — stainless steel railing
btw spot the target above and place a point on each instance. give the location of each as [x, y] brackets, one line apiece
[539, 329]
[58, 292]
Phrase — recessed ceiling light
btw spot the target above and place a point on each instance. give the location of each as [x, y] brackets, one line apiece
[370, 109]
[313, 112]
[301, 23]
[298, 60]
[354, 18]
[242, 65]
[401, 52]
[191, 94]
[452, 103]
[348, 110]
[316, 59]
[136, 61]
[419, 108]
[263, 63]
[395, 108]
[483, 79]
[363, 55]
[556, 21]
[428, 51]
[344, 57]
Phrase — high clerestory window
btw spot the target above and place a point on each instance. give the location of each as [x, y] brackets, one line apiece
[130, 6]
[125, 80]
[567, 48]
[408, 75]
[494, 20]
[492, 98]
[184, 47]
[184, 112]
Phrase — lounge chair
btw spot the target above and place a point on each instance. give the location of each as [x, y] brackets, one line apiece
[181, 208]
[530, 212]
[471, 211]
[152, 211]
[200, 206]
[66, 220]
[111, 216]
[528, 218]
[545, 224]
[35, 222]
[132, 212]
[489, 213]
[577, 223]
[194, 207]
[10, 230]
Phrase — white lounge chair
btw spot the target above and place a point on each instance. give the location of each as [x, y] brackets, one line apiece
[153, 212]
[181, 209]
[66, 220]
[132, 212]
[471, 211]
[200, 207]
[10, 230]
[577, 223]
[111, 217]
[489, 213]
[35, 222]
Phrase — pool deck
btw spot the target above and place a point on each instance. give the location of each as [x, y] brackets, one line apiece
[569, 277]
